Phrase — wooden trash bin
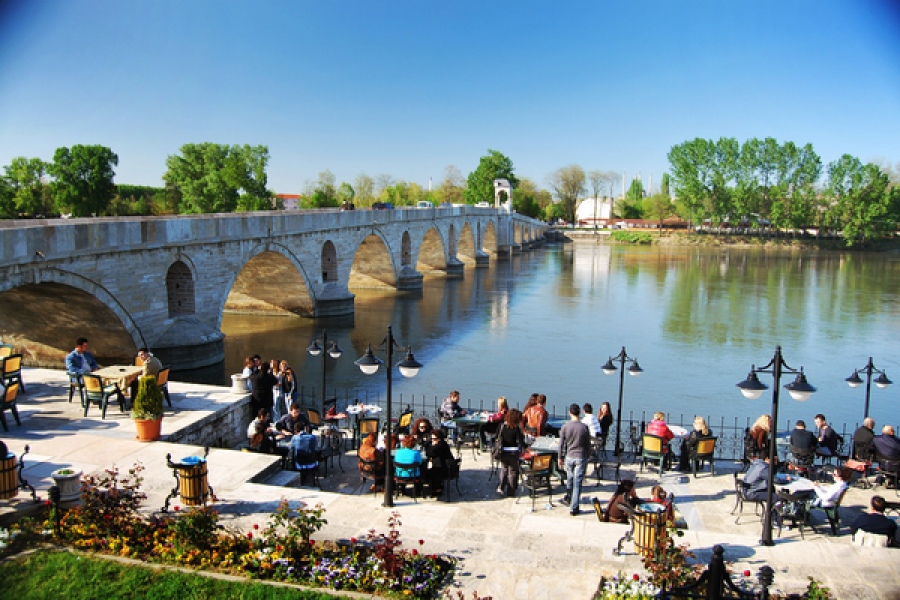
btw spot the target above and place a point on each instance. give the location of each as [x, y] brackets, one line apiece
[9, 483]
[648, 525]
[194, 483]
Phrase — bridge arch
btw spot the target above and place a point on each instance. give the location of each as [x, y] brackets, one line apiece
[432, 258]
[489, 241]
[466, 248]
[45, 318]
[271, 281]
[372, 265]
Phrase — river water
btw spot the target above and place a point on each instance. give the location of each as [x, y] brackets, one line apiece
[547, 320]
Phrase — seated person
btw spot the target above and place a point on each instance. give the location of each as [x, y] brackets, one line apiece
[886, 445]
[875, 522]
[421, 430]
[827, 496]
[303, 447]
[439, 459]
[862, 440]
[756, 481]
[262, 439]
[689, 446]
[828, 438]
[408, 455]
[626, 495]
[659, 428]
[590, 420]
[658, 494]
[288, 424]
[80, 360]
[449, 410]
[495, 420]
[370, 453]
[263, 416]
[151, 365]
[802, 439]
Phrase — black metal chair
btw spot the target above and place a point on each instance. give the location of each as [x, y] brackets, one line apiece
[705, 450]
[537, 476]
[803, 462]
[888, 469]
[408, 474]
[453, 469]
[368, 469]
[740, 493]
[97, 393]
[793, 508]
[8, 403]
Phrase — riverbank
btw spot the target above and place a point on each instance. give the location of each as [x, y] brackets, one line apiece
[737, 241]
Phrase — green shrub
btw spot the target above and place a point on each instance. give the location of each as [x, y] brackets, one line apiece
[632, 237]
[148, 403]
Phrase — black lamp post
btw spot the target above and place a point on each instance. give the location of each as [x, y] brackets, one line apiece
[369, 364]
[335, 353]
[881, 382]
[753, 388]
[634, 370]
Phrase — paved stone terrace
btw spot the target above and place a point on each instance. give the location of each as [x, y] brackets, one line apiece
[505, 550]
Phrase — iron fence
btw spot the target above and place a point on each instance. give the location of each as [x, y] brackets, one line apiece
[729, 430]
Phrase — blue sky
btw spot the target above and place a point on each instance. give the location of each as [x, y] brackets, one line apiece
[408, 88]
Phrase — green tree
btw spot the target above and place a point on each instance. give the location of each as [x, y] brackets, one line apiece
[665, 185]
[480, 184]
[452, 186]
[659, 207]
[345, 193]
[364, 186]
[214, 178]
[26, 179]
[7, 200]
[567, 184]
[83, 177]
[862, 197]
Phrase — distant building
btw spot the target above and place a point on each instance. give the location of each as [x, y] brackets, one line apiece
[593, 208]
[291, 201]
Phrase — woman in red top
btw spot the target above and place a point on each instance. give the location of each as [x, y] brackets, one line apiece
[659, 428]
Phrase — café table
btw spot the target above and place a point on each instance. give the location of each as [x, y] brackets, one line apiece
[467, 426]
[120, 375]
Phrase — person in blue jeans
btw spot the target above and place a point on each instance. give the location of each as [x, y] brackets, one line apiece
[574, 451]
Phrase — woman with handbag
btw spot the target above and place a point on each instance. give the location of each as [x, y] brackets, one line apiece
[508, 445]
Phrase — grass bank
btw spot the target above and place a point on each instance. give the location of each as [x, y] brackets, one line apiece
[58, 574]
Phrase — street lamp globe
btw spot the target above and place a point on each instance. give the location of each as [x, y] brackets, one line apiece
[752, 388]
[369, 363]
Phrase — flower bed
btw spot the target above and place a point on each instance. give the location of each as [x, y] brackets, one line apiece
[108, 522]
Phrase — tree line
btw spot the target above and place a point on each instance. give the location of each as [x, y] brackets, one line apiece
[758, 184]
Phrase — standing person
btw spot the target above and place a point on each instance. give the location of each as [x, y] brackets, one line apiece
[828, 438]
[263, 382]
[449, 410]
[80, 360]
[535, 417]
[277, 393]
[248, 371]
[288, 384]
[574, 451]
[590, 420]
[512, 440]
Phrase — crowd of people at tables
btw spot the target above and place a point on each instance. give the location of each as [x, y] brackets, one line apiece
[825, 443]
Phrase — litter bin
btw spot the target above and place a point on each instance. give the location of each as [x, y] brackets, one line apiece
[194, 485]
[9, 484]
[649, 521]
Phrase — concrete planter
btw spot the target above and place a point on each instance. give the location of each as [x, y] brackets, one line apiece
[69, 483]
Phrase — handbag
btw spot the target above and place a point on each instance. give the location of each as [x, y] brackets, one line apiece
[497, 448]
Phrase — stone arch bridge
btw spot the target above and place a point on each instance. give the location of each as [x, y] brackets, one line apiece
[165, 282]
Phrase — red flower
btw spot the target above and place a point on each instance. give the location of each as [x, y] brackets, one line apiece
[47, 502]
[255, 526]
[249, 536]
[747, 573]
[636, 578]
[352, 540]
[177, 508]
[415, 552]
[421, 542]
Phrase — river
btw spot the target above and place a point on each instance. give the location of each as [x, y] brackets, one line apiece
[547, 320]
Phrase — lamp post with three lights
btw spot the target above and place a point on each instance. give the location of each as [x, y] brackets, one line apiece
[369, 364]
[752, 388]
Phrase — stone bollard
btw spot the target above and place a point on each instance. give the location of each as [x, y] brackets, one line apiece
[239, 384]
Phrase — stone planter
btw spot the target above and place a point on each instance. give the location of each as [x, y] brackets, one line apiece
[69, 483]
[239, 384]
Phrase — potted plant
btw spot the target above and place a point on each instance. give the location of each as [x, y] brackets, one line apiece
[148, 409]
[69, 483]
